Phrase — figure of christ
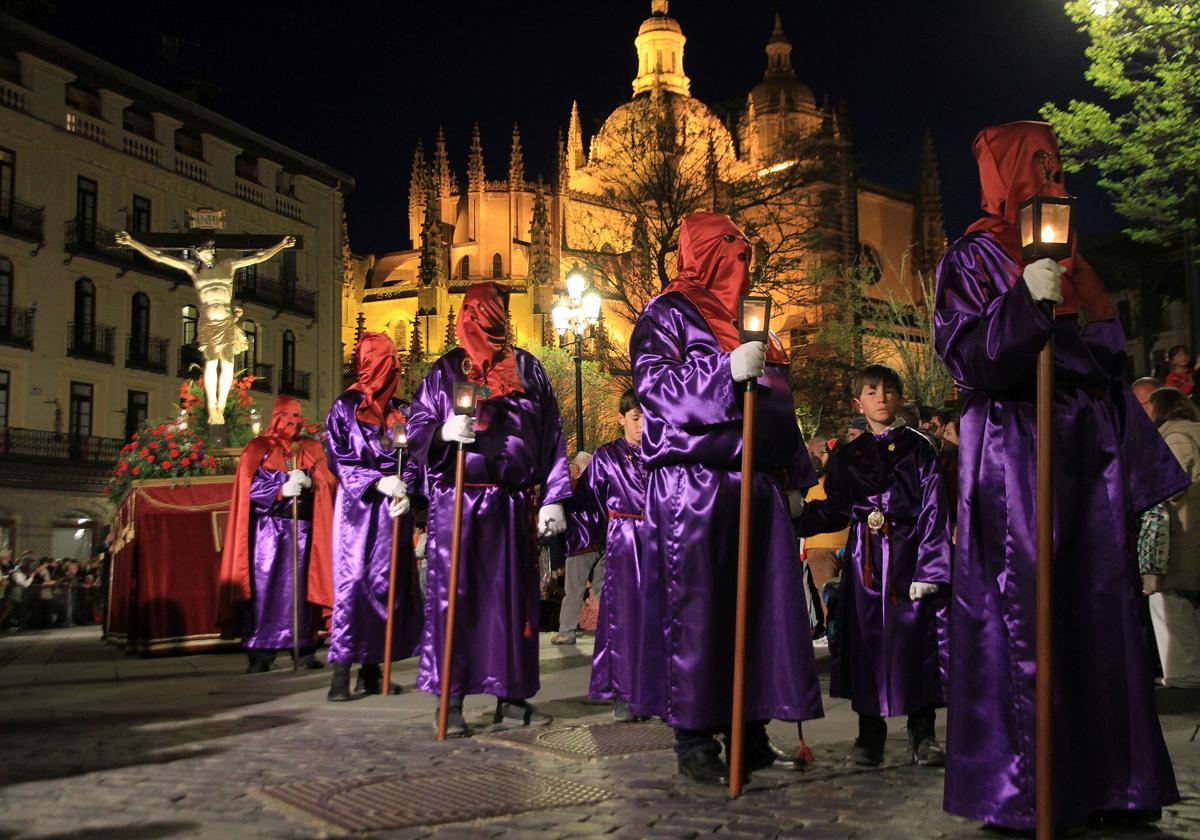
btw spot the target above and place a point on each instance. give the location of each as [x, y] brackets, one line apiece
[218, 335]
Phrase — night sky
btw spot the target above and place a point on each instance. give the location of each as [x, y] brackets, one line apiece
[356, 84]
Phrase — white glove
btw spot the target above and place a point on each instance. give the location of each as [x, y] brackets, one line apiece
[552, 520]
[460, 428]
[398, 506]
[1044, 279]
[795, 503]
[291, 489]
[917, 591]
[300, 477]
[748, 361]
[392, 486]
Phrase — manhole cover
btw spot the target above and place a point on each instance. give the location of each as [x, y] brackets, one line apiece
[375, 803]
[597, 740]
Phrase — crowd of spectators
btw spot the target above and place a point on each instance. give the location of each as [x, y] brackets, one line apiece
[38, 593]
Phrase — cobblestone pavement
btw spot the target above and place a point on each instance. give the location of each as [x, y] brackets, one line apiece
[96, 744]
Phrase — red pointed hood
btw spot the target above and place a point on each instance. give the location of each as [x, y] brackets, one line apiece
[378, 376]
[482, 331]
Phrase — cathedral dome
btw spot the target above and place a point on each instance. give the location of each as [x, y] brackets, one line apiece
[779, 89]
[663, 121]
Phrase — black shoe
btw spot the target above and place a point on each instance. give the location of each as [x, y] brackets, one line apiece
[868, 746]
[1135, 818]
[259, 661]
[519, 711]
[705, 766]
[764, 754]
[456, 726]
[621, 713]
[370, 679]
[339, 685]
[308, 660]
[922, 743]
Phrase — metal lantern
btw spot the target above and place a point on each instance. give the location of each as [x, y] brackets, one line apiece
[754, 314]
[466, 394]
[400, 434]
[1047, 227]
[591, 304]
[561, 314]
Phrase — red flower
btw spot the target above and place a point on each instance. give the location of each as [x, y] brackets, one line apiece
[137, 470]
[122, 468]
[169, 434]
[186, 461]
[174, 452]
[166, 465]
[135, 436]
[149, 459]
[145, 452]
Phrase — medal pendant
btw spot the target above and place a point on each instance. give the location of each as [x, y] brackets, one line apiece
[875, 521]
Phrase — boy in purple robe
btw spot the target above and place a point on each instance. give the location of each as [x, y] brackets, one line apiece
[516, 481]
[607, 510]
[994, 314]
[888, 656]
[370, 495]
[690, 372]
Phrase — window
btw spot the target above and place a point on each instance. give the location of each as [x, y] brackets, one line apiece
[246, 168]
[868, 259]
[139, 326]
[140, 219]
[81, 411]
[85, 210]
[137, 409]
[189, 144]
[248, 279]
[190, 321]
[8, 540]
[288, 362]
[8, 166]
[250, 357]
[6, 294]
[4, 380]
[138, 123]
[497, 266]
[85, 311]
[464, 268]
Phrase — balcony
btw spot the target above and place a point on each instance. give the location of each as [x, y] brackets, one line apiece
[14, 95]
[294, 383]
[96, 242]
[280, 295]
[262, 377]
[87, 126]
[149, 353]
[95, 342]
[35, 444]
[22, 220]
[16, 327]
[191, 362]
[250, 191]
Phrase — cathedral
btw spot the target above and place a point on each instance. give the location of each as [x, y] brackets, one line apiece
[531, 235]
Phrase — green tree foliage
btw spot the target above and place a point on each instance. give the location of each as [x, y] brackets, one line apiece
[1145, 141]
[600, 394]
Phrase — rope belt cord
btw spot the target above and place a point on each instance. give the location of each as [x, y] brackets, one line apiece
[616, 514]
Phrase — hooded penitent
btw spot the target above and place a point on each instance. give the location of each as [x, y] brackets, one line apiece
[272, 451]
[378, 375]
[714, 272]
[482, 331]
[1014, 162]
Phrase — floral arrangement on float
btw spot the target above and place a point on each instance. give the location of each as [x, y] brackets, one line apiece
[239, 409]
[160, 450]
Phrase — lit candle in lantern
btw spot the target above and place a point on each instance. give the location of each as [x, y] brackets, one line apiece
[400, 436]
[1046, 225]
[754, 315]
[466, 394]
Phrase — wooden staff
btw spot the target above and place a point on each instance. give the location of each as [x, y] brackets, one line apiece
[1045, 593]
[452, 591]
[399, 444]
[295, 566]
[737, 733]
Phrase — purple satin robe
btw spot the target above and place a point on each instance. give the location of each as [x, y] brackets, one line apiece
[692, 446]
[518, 446]
[890, 654]
[607, 510]
[359, 455]
[267, 618]
[1109, 464]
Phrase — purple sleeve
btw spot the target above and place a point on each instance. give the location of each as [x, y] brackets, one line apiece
[587, 513]
[831, 514]
[552, 452]
[933, 527]
[685, 391]
[264, 492]
[802, 475]
[988, 341]
[343, 443]
[430, 409]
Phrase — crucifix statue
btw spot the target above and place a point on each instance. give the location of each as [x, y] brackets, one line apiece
[218, 334]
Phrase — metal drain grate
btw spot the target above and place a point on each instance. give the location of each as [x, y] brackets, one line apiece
[375, 803]
[597, 740]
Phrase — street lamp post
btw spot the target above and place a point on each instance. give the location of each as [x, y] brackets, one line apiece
[574, 313]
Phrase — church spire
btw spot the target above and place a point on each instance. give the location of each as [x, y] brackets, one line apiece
[416, 180]
[929, 231]
[779, 52]
[475, 173]
[659, 46]
[429, 270]
[451, 337]
[564, 169]
[541, 264]
[575, 159]
[441, 164]
[516, 162]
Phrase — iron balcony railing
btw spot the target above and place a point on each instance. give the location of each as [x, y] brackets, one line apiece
[56, 446]
[147, 352]
[282, 295]
[91, 341]
[16, 327]
[263, 374]
[21, 219]
[294, 383]
[96, 241]
[191, 361]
